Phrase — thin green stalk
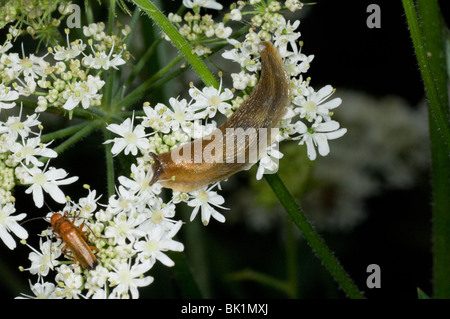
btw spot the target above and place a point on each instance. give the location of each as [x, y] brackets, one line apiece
[427, 32]
[89, 13]
[110, 179]
[110, 76]
[111, 15]
[261, 278]
[292, 267]
[132, 24]
[315, 241]
[63, 132]
[179, 41]
[184, 277]
[142, 89]
[438, 107]
[140, 65]
[85, 131]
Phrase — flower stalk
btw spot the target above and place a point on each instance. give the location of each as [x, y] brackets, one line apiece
[179, 41]
[315, 241]
[428, 33]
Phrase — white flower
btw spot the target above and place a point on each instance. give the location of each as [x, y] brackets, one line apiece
[123, 201]
[209, 100]
[47, 181]
[102, 61]
[15, 127]
[202, 200]
[236, 14]
[268, 164]
[297, 63]
[160, 214]
[314, 106]
[140, 182]
[197, 130]
[70, 281]
[154, 118]
[128, 278]
[293, 5]
[285, 34]
[123, 228]
[7, 95]
[93, 29]
[32, 66]
[210, 4]
[71, 52]
[222, 32]
[8, 223]
[182, 114]
[30, 148]
[4, 48]
[27, 88]
[96, 281]
[83, 92]
[318, 135]
[45, 259]
[156, 241]
[243, 56]
[87, 205]
[131, 140]
[41, 290]
[242, 80]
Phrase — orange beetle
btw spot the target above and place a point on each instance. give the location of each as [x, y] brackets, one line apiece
[75, 240]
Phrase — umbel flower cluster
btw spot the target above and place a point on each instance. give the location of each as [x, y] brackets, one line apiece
[135, 227]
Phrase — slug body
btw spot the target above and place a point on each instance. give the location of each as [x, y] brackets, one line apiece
[75, 240]
[236, 144]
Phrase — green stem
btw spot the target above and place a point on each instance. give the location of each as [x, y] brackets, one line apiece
[142, 89]
[63, 132]
[141, 64]
[261, 278]
[184, 277]
[111, 15]
[177, 39]
[427, 28]
[315, 241]
[110, 180]
[291, 260]
[81, 133]
[428, 53]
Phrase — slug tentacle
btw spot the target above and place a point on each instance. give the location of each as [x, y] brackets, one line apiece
[239, 142]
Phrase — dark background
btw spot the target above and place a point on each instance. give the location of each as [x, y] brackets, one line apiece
[397, 233]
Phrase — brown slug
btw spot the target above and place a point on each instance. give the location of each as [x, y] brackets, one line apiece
[236, 144]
